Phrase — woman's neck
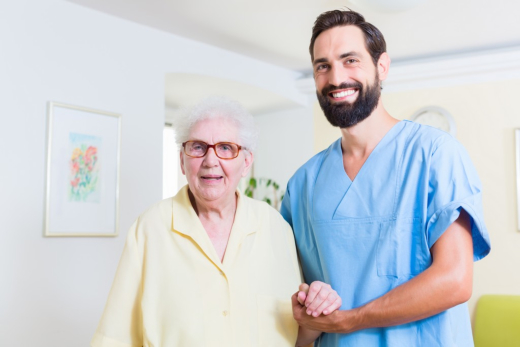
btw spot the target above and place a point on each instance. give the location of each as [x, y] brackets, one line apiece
[217, 218]
[214, 210]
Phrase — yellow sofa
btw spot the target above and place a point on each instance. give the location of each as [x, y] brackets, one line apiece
[497, 321]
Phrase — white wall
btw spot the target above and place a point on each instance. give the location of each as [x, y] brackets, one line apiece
[286, 142]
[54, 289]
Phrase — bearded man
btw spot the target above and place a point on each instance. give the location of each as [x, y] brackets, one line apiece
[390, 215]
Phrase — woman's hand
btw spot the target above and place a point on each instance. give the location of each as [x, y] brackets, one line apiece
[319, 298]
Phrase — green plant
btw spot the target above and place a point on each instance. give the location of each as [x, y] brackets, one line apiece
[265, 189]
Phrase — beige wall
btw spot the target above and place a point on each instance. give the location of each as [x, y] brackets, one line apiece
[486, 116]
[324, 133]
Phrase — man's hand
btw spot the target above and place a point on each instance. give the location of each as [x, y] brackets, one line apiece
[318, 298]
[328, 324]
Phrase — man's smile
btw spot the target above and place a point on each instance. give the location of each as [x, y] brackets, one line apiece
[343, 95]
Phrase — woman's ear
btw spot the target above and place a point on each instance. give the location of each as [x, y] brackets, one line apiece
[182, 163]
[249, 162]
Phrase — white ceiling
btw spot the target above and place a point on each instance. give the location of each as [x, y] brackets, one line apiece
[184, 90]
[278, 31]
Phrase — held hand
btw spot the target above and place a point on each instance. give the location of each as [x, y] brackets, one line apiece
[319, 298]
[302, 293]
[322, 323]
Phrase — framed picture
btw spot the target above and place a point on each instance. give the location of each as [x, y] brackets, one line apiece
[82, 183]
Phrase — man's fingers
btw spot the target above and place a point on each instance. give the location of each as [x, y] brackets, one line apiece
[294, 300]
[297, 307]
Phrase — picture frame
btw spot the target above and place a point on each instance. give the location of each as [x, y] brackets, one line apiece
[83, 169]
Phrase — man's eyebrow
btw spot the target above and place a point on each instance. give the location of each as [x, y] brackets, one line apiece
[320, 60]
[349, 54]
[342, 56]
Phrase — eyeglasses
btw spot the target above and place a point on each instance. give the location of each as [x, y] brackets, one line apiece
[223, 150]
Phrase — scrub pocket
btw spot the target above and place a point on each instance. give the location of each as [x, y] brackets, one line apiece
[402, 250]
[276, 325]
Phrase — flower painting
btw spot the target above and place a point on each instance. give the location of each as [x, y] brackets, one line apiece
[82, 179]
[84, 185]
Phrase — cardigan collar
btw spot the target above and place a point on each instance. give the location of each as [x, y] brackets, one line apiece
[186, 222]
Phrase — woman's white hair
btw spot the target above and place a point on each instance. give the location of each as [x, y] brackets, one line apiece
[217, 107]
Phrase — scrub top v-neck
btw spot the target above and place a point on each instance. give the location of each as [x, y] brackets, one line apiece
[369, 235]
[350, 197]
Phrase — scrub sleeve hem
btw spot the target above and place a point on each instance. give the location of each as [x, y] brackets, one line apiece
[445, 216]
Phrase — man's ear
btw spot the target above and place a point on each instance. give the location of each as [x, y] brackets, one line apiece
[383, 64]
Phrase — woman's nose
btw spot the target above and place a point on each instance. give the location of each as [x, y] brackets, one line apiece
[210, 158]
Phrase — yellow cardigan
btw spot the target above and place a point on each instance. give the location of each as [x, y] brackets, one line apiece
[171, 289]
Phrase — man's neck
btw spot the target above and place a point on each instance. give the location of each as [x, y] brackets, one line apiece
[359, 140]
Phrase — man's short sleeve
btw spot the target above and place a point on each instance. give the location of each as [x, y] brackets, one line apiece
[455, 185]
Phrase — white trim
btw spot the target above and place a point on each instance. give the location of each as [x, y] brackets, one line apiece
[445, 71]
[469, 68]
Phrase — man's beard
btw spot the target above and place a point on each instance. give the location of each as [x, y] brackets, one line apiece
[344, 114]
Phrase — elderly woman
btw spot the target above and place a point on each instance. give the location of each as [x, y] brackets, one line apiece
[210, 266]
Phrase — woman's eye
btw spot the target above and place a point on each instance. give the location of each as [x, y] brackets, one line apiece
[197, 147]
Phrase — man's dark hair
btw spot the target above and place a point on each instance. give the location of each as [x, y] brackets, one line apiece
[374, 40]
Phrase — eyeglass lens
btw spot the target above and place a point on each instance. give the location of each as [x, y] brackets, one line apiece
[224, 150]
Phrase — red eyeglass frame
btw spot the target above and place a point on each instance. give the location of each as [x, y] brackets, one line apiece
[214, 149]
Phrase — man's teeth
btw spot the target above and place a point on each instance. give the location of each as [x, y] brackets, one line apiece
[343, 93]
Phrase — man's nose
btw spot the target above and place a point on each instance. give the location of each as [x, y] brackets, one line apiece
[337, 75]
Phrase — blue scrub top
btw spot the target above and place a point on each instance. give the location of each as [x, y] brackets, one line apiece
[367, 236]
